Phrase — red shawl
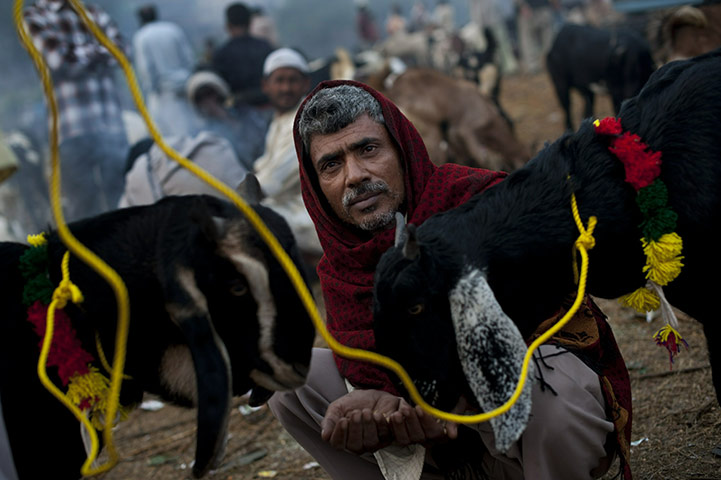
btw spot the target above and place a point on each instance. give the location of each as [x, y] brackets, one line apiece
[348, 264]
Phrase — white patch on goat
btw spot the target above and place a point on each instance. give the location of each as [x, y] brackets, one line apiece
[482, 327]
[198, 307]
[284, 376]
[177, 372]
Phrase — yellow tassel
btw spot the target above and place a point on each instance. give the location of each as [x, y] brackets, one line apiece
[663, 258]
[88, 387]
[664, 273]
[92, 388]
[664, 249]
[37, 240]
[642, 300]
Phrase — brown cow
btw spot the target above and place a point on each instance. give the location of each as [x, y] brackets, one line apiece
[457, 123]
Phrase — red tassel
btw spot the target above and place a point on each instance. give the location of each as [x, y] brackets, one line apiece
[608, 126]
[671, 340]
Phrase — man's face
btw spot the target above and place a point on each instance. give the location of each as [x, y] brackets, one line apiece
[285, 86]
[360, 173]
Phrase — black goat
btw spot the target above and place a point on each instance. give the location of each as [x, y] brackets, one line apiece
[583, 56]
[504, 258]
[209, 303]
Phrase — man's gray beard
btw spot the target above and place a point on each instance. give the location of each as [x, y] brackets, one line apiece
[377, 221]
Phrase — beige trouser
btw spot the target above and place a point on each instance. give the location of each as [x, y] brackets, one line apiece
[564, 439]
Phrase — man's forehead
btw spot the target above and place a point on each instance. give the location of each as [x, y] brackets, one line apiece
[363, 126]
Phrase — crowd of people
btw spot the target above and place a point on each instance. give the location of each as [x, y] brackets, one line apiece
[215, 109]
[338, 163]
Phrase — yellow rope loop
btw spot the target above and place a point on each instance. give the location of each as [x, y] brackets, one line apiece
[66, 289]
[585, 239]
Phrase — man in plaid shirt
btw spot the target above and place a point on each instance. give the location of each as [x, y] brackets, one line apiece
[93, 144]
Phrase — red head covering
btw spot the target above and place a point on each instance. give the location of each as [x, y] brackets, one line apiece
[349, 261]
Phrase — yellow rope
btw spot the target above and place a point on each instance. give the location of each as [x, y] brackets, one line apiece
[584, 242]
[84, 254]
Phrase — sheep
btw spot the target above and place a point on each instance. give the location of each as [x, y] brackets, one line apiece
[511, 245]
[209, 304]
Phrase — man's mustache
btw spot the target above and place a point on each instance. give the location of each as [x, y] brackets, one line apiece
[363, 189]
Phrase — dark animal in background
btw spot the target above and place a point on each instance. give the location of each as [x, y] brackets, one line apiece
[582, 57]
[511, 245]
[209, 303]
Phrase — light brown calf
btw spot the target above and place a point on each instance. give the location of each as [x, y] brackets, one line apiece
[457, 123]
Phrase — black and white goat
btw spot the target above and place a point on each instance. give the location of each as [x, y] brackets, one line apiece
[213, 315]
[456, 297]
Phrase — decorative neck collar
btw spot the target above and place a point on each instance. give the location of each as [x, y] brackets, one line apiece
[87, 388]
[661, 245]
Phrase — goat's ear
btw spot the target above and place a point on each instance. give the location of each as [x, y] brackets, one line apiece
[250, 189]
[212, 227]
[411, 249]
[188, 309]
[491, 351]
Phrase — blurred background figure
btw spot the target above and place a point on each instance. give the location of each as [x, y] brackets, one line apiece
[242, 125]
[262, 26]
[286, 81]
[365, 25]
[418, 17]
[93, 143]
[535, 32]
[153, 175]
[396, 22]
[24, 200]
[164, 60]
[491, 15]
[444, 16]
[239, 61]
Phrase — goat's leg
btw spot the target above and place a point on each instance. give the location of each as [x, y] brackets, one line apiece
[563, 92]
[588, 99]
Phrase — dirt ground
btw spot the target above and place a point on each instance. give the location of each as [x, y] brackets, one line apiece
[676, 419]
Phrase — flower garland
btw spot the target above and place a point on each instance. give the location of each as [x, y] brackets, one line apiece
[661, 245]
[87, 388]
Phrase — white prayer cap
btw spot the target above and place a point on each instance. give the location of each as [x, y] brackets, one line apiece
[284, 57]
[206, 78]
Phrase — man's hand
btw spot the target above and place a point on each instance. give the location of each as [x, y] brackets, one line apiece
[368, 420]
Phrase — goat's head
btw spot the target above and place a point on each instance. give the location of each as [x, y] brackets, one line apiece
[439, 319]
[242, 321]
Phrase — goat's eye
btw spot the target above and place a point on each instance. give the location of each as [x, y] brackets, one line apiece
[238, 289]
[416, 309]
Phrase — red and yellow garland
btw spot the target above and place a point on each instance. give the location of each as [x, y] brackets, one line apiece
[87, 388]
[661, 245]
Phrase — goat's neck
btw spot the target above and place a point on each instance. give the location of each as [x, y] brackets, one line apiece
[526, 231]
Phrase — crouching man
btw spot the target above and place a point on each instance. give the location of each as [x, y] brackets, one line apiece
[361, 161]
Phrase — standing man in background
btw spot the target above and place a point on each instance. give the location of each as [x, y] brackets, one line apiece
[240, 59]
[535, 32]
[164, 61]
[93, 143]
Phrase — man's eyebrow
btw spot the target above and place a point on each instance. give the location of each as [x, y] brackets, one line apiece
[353, 146]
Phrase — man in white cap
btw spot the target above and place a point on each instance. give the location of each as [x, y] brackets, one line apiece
[285, 83]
